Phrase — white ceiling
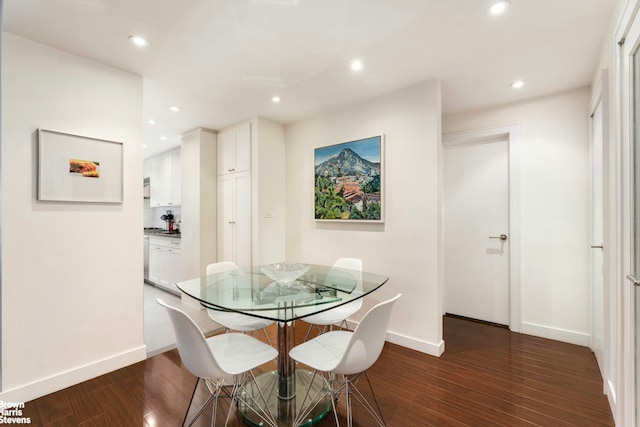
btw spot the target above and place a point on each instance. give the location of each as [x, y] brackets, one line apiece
[221, 61]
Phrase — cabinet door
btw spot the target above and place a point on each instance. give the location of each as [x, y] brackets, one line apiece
[242, 148]
[226, 161]
[234, 213]
[146, 169]
[167, 180]
[155, 264]
[242, 213]
[155, 182]
[175, 268]
[176, 177]
[226, 225]
[234, 150]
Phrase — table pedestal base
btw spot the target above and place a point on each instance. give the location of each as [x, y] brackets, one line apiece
[286, 410]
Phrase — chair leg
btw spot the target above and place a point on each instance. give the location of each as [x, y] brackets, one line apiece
[264, 330]
[212, 396]
[347, 401]
[353, 391]
[308, 332]
[249, 401]
[190, 402]
[311, 400]
[320, 330]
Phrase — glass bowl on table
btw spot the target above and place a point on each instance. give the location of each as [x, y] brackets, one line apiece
[284, 272]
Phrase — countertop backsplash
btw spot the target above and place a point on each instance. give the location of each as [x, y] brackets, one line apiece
[152, 215]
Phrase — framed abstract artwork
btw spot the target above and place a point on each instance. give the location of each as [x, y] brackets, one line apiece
[349, 181]
[73, 168]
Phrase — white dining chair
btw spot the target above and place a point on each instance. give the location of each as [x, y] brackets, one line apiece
[338, 315]
[224, 362]
[230, 320]
[349, 355]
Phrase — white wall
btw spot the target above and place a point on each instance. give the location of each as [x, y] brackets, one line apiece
[71, 272]
[199, 202]
[554, 185]
[406, 247]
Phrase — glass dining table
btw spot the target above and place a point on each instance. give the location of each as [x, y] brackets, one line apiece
[252, 292]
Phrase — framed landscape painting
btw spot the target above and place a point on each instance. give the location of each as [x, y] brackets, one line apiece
[349, 183]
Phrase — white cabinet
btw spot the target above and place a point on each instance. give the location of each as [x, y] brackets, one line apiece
[251, 196]
[164, 261]
[234, 214]
[234, 149]
[165, 179]
[146, 168]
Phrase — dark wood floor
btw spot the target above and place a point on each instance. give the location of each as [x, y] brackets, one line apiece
[487, 376]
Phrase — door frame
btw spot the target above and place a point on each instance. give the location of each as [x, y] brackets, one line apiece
[624, 408]
[601, 96]
[510, 133]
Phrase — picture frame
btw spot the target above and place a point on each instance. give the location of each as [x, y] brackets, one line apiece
[349, 181]
[74, 168]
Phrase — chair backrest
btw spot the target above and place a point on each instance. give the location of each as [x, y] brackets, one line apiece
[221, 267]
[192, 345]
[354, 265]
[349, 263]
[367, 339]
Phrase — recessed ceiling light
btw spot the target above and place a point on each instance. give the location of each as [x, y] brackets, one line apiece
[164, 138]
[138, 41]
[517, 84]
[276, 99]
[499, 7]
[144, 145]
[151, 122]
[174, 108]
[357, 65]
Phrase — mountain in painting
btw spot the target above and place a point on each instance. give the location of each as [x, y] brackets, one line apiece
[347, 163]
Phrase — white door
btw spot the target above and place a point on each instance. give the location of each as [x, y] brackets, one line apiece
[476, 224]
[597, 237]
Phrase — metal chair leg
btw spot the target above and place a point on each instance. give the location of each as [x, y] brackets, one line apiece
[354, 392]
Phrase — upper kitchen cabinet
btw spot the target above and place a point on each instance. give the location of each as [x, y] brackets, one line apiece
[234, 149]
[146, 168]
[165, 179]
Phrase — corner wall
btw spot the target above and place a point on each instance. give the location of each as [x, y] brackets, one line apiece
[555, 209]
[406, 247]
[72, 294]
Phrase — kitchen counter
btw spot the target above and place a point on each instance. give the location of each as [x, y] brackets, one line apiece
[163, 233]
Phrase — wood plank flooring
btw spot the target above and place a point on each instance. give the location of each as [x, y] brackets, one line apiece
[487, 376]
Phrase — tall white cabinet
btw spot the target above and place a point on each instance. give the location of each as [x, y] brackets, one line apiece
[234, 195]
[251, 197]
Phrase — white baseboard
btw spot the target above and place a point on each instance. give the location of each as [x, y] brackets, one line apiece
[611, 393]
[74, 376]
[564, 335]
[429, 348]
[416, 344]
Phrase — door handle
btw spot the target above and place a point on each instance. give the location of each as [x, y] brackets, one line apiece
[596, 246]
[633, 279]
[501, 237]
